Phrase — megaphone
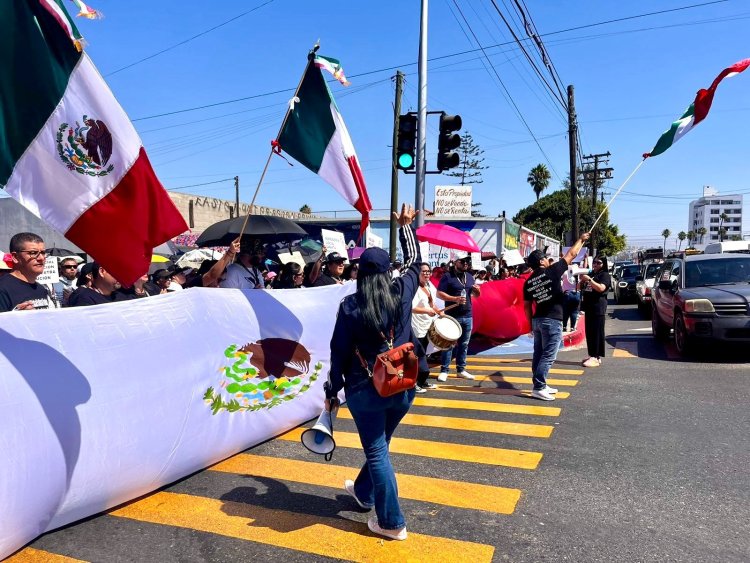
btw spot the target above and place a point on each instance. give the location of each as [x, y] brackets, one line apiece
[319, 438]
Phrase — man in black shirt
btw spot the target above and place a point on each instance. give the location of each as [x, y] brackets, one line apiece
[102, 289]
[19, 290]
[543, 303]
[332, 271]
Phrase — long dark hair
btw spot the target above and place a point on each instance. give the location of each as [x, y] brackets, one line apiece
[378, 301]
[285, 279]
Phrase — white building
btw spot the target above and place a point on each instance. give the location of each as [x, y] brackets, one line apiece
[707, 210]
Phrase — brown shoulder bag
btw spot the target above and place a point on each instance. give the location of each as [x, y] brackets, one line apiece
[395, 370]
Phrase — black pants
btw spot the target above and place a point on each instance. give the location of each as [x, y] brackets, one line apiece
[594, 334]
[424, 369]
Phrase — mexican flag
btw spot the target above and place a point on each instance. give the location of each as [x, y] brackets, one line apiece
[314, 134]
[68, 152]
[697, 111]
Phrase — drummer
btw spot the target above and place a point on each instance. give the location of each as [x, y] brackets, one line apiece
[423, 312]
[457, 288]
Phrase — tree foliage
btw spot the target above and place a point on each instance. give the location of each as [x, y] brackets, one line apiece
[550, 215]
[305, 209]
[470, 169]
[538, 179]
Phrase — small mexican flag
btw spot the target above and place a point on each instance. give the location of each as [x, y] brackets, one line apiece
[68, 152]
[697, 111]
[314, 134]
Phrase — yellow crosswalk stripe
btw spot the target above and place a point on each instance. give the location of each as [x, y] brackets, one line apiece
[514, 379]
[500, 500]
[519, 459]
[31, 555]
[625, 349]
[493, 391]
[472, 425]
[559, 371]
[493, 360]
[338, 537]
[486, 406]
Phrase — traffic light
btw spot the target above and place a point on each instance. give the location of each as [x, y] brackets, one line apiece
[406, 147]
[447, 141]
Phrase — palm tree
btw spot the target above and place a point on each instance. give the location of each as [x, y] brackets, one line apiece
[682, 235]
[665, 233]
[701, 233]
[538, 179]
[691, 237]
[722, 232]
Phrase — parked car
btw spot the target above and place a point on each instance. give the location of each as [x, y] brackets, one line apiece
[644, 284]
[624, 284]
[703, 298]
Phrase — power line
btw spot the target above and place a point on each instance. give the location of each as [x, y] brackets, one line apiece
[203, 184]
[441, 57]
[188, 40]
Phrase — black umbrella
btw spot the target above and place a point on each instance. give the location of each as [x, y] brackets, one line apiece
[54, 251]
[266, 227]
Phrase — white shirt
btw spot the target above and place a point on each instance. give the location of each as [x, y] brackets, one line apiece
[420, 322]
[568, 281]
[239, 277]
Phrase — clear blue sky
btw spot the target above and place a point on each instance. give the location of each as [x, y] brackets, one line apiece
[632, 79]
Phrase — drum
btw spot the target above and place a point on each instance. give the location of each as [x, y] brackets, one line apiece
[444, 332]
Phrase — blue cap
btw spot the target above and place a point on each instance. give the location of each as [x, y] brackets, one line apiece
[374, 260]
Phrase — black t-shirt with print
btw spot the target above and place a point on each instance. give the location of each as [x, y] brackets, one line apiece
[85, 296]
[544, 287]
[453, 284]
[14, 292]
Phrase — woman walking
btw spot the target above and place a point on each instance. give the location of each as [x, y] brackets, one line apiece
[377, 316]
[423, 312]
[594, 289]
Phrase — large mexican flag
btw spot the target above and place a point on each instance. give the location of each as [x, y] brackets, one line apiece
[314, 134]
[68, 152]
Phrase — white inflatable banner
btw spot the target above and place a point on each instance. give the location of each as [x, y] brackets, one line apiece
[99, 405]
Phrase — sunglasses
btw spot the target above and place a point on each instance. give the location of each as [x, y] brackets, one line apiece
[71, 267]
[598, 262]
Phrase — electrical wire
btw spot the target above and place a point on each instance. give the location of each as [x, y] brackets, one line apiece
[203, 184]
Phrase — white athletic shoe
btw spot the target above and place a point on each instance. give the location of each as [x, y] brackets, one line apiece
[443, 376]
[375, 528]
[542, 394]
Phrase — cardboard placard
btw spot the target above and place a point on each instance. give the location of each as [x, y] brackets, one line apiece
[476, 261]
[373, 240]
[334, 242]
[296, 256]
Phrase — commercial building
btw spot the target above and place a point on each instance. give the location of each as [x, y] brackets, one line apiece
[714, 212]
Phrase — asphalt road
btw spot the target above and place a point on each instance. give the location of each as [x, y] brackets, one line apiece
[643, 459]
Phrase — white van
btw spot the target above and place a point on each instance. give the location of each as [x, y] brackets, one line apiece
[742, 246]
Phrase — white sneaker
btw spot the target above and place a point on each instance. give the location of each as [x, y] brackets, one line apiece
[550, 390]
[349, 486]
[443, 376]
[375, 528]
[465, 374]
[591, 363]
[420, 390]
[542, 394]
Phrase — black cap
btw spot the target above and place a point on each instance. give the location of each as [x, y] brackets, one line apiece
[374, 260]
[535, 258]
[335, 257]
[162, 274]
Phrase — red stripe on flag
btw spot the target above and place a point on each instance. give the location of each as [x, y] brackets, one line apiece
[362, 204]
[121, 230]
[705, 97]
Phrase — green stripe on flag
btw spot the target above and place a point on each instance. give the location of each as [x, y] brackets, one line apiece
[668, 137]
[310, 127]
[36, 60]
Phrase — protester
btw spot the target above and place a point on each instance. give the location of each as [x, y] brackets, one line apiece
[247, 271]
[102, 289]
[370, 320]
[210, 272]
[396, 269]
[85, 275]
[179, 278]
[594, 289]
[504, 273]
[290, 276]
[332, 272]
[458, 286]
[423, 312]
[68, 270]
[4, 268]
[571, 301]
[136, 291]
[19, 290]
[543, 303]
[350, 272]
[162, 279]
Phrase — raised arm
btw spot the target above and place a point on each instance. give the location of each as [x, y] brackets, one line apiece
[217, 269]
[412, 257]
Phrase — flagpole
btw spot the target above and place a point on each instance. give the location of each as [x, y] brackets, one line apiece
[310, 59]
[617, 192]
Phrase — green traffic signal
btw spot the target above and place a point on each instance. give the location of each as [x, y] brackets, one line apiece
[405, 161]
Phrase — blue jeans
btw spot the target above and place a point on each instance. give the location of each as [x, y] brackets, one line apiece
[571, 305]
[547, 339]
[460, 349]
[376, 418]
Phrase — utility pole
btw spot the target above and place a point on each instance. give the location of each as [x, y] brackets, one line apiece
[394, 169]
[422, 110]
[595, 180]
[572, 137]
[237, 196]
